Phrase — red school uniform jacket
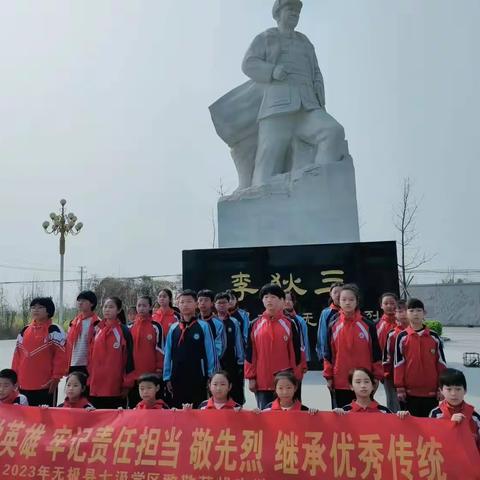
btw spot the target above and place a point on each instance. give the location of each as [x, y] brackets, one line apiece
[39, 355]
[111, 364]
[147, 345]
[419, 360]
[210, 405]
[373, 407]
[270, 349]
[445, 410]
[352, 343]
[158, 405]
[165, 319]
[385, 325]
[389, 351]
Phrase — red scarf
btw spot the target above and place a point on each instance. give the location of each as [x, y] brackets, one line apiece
[142, 326]
[75, 329]
[334, 307]
[348, 322]
[158, 405]
[108, 327]
[372, 407]
[449, 410]
[297, 405]
[38, 329]
[390, 319]
[230, 405]
[82, 402]
[10, 398]
[165, 319]
[184, 326]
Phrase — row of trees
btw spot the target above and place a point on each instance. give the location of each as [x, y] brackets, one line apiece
[15, 317]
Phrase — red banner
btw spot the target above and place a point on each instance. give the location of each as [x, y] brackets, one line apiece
[64, 444]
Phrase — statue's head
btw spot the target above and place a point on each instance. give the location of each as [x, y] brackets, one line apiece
[287, 12]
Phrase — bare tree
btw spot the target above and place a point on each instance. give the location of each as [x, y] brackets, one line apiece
[410, 257]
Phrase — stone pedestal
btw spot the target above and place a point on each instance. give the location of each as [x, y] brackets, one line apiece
[316, 205]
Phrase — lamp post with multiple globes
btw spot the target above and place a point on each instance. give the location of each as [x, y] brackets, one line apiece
[62, 224]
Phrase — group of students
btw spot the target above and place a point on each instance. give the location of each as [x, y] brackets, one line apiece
[198, 354]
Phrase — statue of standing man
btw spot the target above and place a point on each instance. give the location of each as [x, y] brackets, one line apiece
[276, 123]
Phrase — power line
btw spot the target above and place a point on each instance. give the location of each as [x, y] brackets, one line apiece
[35, 269]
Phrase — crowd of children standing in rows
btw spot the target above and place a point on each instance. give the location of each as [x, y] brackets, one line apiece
[199, 354]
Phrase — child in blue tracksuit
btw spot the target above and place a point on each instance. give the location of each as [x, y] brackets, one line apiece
[242, 316]
[234, 355]
[189, 355]
[205, 306]
[325, 317]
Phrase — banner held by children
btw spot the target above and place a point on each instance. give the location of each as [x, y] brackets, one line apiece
[192, 445]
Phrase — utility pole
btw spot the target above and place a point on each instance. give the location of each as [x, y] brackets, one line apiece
[82, 270]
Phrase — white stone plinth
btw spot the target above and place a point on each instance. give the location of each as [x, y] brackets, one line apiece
[315, 205]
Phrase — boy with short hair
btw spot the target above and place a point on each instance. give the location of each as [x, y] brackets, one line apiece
[270, 347]
[81, 332]
[453, 387]
[205, 306]
[189, 354]
[148, 387]
[9, 389]
[242, 316]
[419, 360]
[234, 356]
[39, 358]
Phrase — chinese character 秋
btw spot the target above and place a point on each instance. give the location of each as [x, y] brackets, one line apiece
[371, 455]
[314, 454]
[252, 445]
[101, 440]
[401, 450]
[225, 448]
[430, 459]
[170, 448]
[200, 448]
[148, 447]
[286, 448]
[342, 466]
[329, 280]
[33, 435]
[10, 440]
[122, 446]
[289, 284]
[241, 282]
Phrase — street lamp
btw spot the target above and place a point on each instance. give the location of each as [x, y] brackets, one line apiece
[62, 224]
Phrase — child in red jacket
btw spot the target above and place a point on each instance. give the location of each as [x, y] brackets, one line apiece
[219, 387]
[111, 364]
[270, 347]
[147, 345]
[352, 343]
[76, 392]
[149, 386]
[453, 387]
[9, 389]
[386, 324]
[419, 360]
[39, 358]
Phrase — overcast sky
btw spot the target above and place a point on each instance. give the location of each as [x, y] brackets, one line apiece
[105, 103]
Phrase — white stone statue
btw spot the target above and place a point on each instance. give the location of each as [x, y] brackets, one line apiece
[276, 123]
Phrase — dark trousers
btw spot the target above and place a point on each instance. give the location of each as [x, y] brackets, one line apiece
[420, 406]
[133, 396]
[108, 403]
[264, 397]
[184, 392]
[344, 397]
[40, 397]
[238, 382]
[78, 369]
